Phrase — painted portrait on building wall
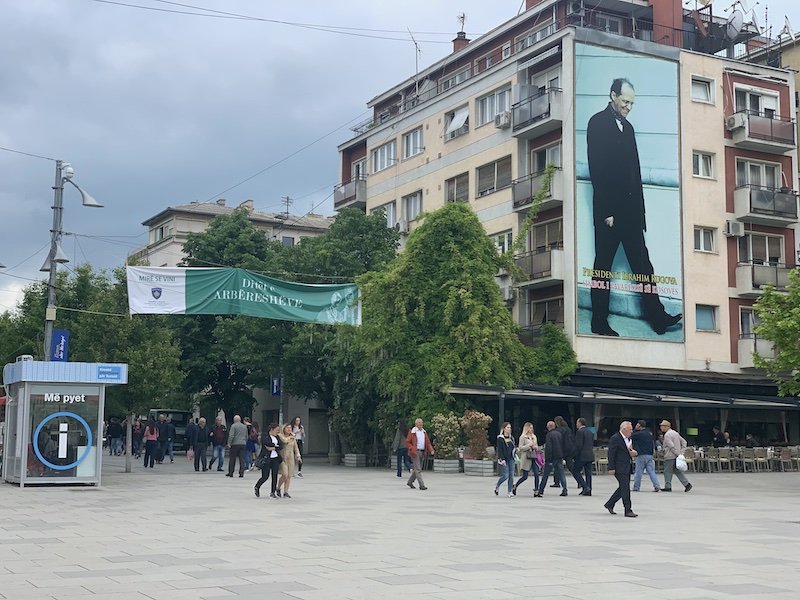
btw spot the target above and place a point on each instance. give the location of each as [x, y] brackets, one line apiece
[628, 235]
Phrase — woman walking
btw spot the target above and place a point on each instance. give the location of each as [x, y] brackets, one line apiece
[137, 432]
[291, 457]
[399, 447]
[300, 435]
[150, 442]
[528, 447]
[505, 458]
[252, 444]
[270, 457]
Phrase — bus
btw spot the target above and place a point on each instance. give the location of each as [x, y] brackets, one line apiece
[180, 419]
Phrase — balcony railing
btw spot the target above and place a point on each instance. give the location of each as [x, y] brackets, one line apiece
[750, 344]
[751, 278]
[536, 108]
[530, 334]
[770, 128]
[759, 201]
[542, 263]
[353, 191]
[525, 188]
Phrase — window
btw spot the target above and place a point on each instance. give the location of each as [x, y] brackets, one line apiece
[706, 317]
[757, 174]
[702, 164]
[390, 211]
[456, 189]
[609, 23]
[546, 236]
[756, 103]
[704, 238]
[761, 249]
[161, 232]
[702, 90]
[547, 311]
[453, 80]
[359, 169]
[532, 37]
[748, 321]
[490, 105]
[540, 158]
[384, 156]
[287, 240]
[412, 205]
[457, 123]
[412, 143]
[494, 176]
[506, 51]
[502, 241]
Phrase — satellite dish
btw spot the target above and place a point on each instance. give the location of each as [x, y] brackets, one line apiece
[734, 25]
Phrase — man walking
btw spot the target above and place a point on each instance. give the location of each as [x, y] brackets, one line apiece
[115, 433]
[553, 460]
[645, 448]
[584, 457]
[674, 445]
[162, 438]
[620, 452]
[219, 437]
[201, 434]
[419, 446]
[236, 442]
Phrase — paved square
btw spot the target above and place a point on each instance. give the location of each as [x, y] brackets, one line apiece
[173, 534]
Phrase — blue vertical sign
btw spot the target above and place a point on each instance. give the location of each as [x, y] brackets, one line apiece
[276, 386]
[59, 345]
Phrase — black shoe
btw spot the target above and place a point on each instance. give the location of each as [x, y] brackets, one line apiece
[555, 485]
[422, 487]
[211, 464]
[663, 322]
[603, 328]
[656, 489]
[228, 474]
[241, 474]
[278, 493]
[563, 493]
[537, 494]
[257, 493]
[585, 493]
[197, 470]
[610, 509]
[666, 489]
[220, 469]
[496, 493]
[411, 485]
[286, 495]
[688, 487]
[630, 513]
[272, 495]
[514, 490]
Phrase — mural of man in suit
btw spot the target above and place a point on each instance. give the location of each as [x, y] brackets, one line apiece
[618, 205]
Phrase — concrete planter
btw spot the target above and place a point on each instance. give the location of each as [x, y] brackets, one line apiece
[355, 460]
[446, 465]
[479, 468]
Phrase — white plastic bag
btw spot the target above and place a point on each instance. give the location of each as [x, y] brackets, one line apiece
[680, 463]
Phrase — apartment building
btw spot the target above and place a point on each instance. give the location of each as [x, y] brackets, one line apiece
[169, 229]
[664, 326]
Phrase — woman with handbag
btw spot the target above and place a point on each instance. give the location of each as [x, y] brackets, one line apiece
[506, 451]
[290, 454]
[528, 447]
[269, 460]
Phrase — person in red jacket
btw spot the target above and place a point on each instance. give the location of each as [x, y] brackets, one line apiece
[419, 446]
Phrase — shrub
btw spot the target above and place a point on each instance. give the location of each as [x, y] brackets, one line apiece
[476, 427]
[447, 429]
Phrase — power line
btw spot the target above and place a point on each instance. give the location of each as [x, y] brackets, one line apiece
[27, 153]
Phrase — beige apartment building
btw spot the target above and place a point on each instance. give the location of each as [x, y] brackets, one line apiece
[663, 327]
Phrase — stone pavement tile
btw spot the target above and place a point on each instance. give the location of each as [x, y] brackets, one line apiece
[417, 579]
[253, 588]
[85, 573]
[106, 595]
[487, 566]
[482, 594]
[32, 592]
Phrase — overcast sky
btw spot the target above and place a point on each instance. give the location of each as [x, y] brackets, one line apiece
[155, 108]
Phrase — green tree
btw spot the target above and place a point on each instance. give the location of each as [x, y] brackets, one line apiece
[779, 314]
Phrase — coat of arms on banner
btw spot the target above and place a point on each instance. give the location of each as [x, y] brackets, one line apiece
[156, 292]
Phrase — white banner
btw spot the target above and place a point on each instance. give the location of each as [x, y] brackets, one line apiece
[156, 291]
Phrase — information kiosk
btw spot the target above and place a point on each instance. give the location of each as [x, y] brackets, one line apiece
[54, 420]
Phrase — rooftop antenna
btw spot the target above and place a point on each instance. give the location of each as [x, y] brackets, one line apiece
[417, 52]
[287, 201]
[462, 19]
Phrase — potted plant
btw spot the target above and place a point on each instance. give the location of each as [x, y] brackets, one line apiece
[476, 427]
[447, 429]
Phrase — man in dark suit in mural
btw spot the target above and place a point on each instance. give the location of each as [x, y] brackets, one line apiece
[619, 209]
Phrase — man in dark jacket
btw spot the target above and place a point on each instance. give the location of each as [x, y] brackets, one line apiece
[584, 457]
[645, 448]
[718, 441]
[567, 444]
[219, 437]
[162, 438]
[115, 433]
[620, 452]
[201, 435]
[553, 460]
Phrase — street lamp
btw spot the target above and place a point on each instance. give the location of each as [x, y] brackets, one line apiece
[64, 173]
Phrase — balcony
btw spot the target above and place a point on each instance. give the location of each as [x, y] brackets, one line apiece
[530, 334]
[765, 206]
[542, 267]
[751, 344]
[538, 114]
[351, 194]
[527, 187]
[762, 132]
[751, 278]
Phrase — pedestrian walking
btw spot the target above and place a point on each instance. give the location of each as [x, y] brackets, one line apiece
[252, 444]
[527, 451]
[506, 450]
[567, 445]
[584, 457]
[150, 443]
[553, 460]
[674, 445]
[115, 433]
[300, 435]
[237, 438]
[201, 435]
[644, 445]
[419, 447]
[162, 438]
[270, 459]
[137, 434]
[290, 455]
[620, 452]
[219, 438]
[399, 447]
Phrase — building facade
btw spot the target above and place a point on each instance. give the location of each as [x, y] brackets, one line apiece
[659, 310]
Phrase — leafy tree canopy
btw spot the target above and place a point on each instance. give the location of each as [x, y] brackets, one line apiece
[779, 313]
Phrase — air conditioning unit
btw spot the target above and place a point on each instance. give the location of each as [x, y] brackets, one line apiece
[736, 121]
[575, 8]
[503, 120]
[734, 229]
[402, 227]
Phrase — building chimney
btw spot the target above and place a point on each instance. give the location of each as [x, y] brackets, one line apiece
[248, 204]
[221, 202]
[529, 4]
[460, 41]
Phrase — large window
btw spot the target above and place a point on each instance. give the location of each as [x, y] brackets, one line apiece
[502, 241]
[608, 23]
[541, 157]
[456, 189]
[412, 143]
[412, 205]
[546, 311]
[457, 123]
[287, 240]
[546, 236]
[702, 90]
[390, 212]
[702, 164]
[706, 317]
[704, 239]
[162, 231]
[490, 105]
[494, 176]
[761, 249]
[748, 321]
[384, 156]
[756, 102]
[757, 174]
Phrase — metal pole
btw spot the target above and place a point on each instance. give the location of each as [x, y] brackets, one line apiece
[55, 235]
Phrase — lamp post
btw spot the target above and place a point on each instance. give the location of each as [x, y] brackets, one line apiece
[64, 173]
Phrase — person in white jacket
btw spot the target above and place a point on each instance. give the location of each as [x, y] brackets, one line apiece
[673, 446]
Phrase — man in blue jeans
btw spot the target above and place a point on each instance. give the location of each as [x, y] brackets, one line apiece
[644, 445]
[553, 460]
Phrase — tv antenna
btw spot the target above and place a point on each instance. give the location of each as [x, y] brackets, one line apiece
[462, 18]
[417, 53]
